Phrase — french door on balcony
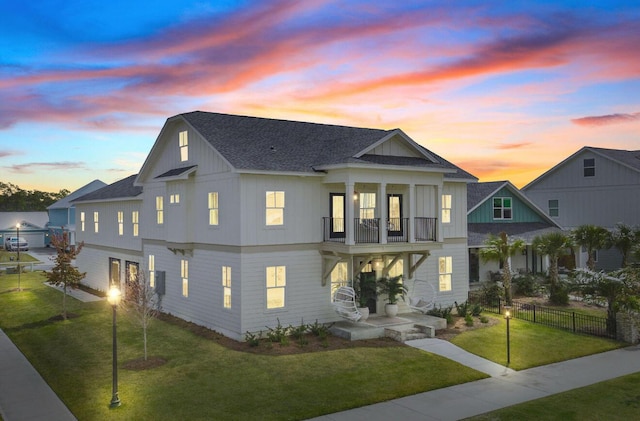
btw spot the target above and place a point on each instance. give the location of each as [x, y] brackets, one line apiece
[394, 211]
[337, 215]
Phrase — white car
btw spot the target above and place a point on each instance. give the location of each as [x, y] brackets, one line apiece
[15, 244]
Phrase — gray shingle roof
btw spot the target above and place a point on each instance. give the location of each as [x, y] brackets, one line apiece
[477, 192]
[119, 190]
[176, 171]
[630, 158]
[478, 233]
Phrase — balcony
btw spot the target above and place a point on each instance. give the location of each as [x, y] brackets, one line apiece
[368, 231]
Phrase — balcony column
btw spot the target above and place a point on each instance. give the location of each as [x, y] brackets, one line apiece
[412, 213]
[438, 212]
[349, 211]
[383, 212]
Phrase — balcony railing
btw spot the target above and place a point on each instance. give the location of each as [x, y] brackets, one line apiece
[426, 229]
[367, 230]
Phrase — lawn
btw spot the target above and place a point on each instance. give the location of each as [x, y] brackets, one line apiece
[201, 378]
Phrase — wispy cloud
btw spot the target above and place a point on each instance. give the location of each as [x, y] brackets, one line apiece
[34, 167]
[511, 146]
[604, 120]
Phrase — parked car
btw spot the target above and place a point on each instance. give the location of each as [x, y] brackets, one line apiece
[15, 244]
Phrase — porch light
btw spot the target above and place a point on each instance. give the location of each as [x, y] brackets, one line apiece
[355, 196]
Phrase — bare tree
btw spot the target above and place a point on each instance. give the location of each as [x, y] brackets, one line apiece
[64, 273]
[141, 301]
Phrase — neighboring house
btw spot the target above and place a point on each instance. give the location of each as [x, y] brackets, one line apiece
[62, 214]
[593, 186]
[496, 207]
[242, 223]
[33, 227]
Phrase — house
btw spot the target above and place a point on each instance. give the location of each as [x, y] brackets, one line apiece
[62, 214]
[240, 223]
[593, 186]
[496, 207]
[33, 227]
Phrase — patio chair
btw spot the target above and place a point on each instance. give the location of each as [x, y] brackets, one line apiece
[344, 303]
[422, 297]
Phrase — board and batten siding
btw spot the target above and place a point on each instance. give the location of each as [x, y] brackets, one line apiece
[521, 212]
[394, 147]
[95, 262]
[108, 233]
[457, 228]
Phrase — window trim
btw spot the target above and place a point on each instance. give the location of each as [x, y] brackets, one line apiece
[555, 208]
[96, 222]
[502, 208]
[447, 199]
[277, 285]
[159, 210]
[214, 208]
[447, 274]
[226, 286]
[273, 197]
[589, 167]
[120, 216]
[184, 275]
[183, 144]
[135, 222]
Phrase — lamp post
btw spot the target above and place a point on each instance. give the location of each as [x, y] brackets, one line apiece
[114, 299]
[507, 316]
[18, 258]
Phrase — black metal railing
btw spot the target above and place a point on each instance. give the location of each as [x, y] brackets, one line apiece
[367, 230]
[397, 229]
[562, 319]
[334, 229]
[426, 229]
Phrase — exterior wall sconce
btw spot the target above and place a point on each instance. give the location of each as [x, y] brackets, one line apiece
[355, 196]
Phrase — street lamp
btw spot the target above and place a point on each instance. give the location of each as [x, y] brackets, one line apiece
[507, 316]
[18, 245]
[114, 299]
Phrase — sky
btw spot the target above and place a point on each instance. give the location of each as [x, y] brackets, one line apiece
[503, 89]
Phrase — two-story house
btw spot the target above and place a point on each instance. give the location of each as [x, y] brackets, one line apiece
[498, 206]
[594, 186]
[243, 222]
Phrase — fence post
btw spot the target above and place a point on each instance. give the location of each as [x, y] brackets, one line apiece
[534, 313]
[574, 321]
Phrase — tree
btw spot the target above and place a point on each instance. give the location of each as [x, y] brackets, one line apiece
[63, 272]
[624, 238]
[555, 245]
[592, 238]
[500, 248]
[141, 301]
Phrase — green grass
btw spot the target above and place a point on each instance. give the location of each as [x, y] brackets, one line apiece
[617, 399]
[531, 344]
[5, 257]
[201, 380]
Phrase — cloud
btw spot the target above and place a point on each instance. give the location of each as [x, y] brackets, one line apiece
[34, 167]
[604, 120]
[510, 146]
[7, 153]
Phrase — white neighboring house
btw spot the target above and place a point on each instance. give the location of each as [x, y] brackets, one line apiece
[242, 222]
[593, 186]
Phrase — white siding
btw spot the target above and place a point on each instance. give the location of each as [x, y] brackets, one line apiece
[458, 226]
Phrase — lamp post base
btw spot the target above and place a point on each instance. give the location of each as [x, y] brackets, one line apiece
[115, 402]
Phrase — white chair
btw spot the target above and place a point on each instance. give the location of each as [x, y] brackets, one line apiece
[422, 297]
[344, 303]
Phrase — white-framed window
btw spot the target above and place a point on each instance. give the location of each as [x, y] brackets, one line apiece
[367, 205]
[445, 271]
[184, 274]
[120, 223]
[174, 198]
[397, 269]
[589, 167]
[96, 222]
[159, 210]
[183, 142]
[82, 219]
[212, 203]
[152, 271]
[135, 220]
[446, 208]
[554, 207]
[226, 286]
[275, 208]
[502, 208]
[339, 277]
[276, 283]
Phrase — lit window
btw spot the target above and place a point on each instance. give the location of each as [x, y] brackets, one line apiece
[502, 208]
[184, 274]
[445, 269]
[160, 209]
[446, 208]
[96, 220]
[397, 269]
[120, 223]
[152, 271]
[135, 220]
[213, 208]
[275, 208]
[174, 198]
[367, 205]
[589, 167]
[226, 286]
[339, 277]
[276, 282]
[184, 146]
[554, 207]
[82, 221]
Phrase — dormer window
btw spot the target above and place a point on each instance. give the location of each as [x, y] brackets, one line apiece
[184, 146]
[502, 208]
[589, 167]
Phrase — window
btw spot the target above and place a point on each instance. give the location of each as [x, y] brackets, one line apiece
[96, 220]
[276, 282]
[445, 269]
[114, 272]
[275, 208]
[81, 221]
[502, 208]
[339, 277]
[135, 220]
[367, 205]
[174, 198]
[226, 286]
[446, 208]
[184, 146]
[120, 223]
[159, 210]
[131, 272]
[397, 269]
[213, 208]
[152, 271]
[184, 274]
[589, 167]
[554, 207]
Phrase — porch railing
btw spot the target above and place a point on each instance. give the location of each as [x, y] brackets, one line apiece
[397, 230]
[426, 229]
[367, 230]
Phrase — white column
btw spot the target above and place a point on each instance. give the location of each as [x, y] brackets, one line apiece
[412, 213]
[349, 205]
[382, 212]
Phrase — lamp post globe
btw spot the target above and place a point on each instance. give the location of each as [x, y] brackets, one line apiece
[114, 298]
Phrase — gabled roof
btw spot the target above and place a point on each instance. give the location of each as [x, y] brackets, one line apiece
[27, 220]
[123, 189]
[629, 159]
[65, 202]
[478, 233]
[264, 144]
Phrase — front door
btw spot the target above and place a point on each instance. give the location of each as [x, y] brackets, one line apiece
[114, 272]
[371, 303]
[394, 210]
[337, 215]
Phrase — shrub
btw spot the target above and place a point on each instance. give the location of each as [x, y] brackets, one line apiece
[559, 295]
[462, 309]
[299, 331]
[527, 285]
[253, 339]
[279, 334]
[492, 292]
[319, 330]
[484, 319]
[444, 313]
[476, 309]
[468, 320]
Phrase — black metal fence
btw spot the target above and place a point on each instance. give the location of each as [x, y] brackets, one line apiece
[568, 320]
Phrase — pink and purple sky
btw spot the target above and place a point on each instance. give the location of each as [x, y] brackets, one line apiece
[503, 89]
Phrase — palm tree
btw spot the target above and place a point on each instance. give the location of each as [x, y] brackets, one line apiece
[624, 239]
[500, 248]
[555, 245]
[592, 238]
